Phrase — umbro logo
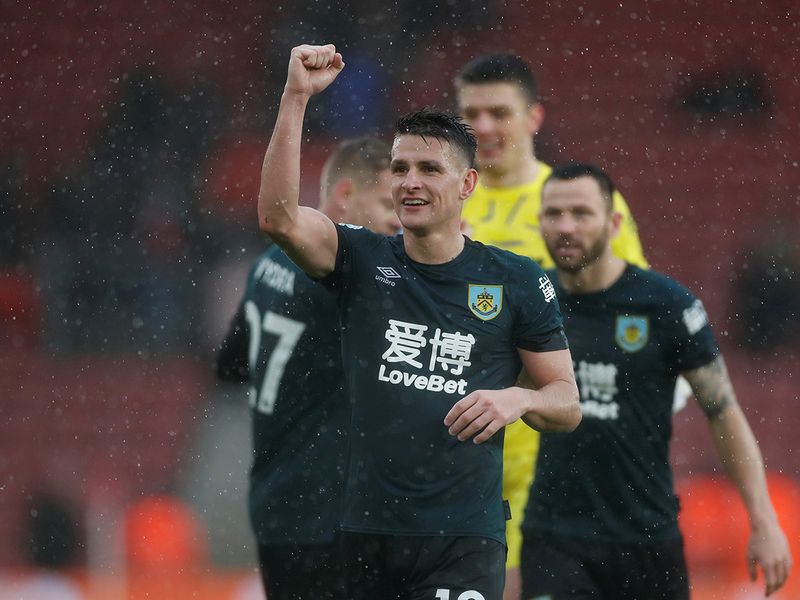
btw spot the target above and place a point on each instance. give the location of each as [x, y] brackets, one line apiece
[389, 272]
[386, 275]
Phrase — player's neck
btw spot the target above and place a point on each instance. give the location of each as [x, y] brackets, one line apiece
[525, 172]
[433, 248]
[599, 276]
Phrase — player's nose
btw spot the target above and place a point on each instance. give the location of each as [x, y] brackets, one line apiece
[564, 226]
[482, 124]
[412, 180]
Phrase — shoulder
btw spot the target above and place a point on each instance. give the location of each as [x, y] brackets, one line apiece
[357, 236]
[519, 274]
[505, 260]
[658, 282]
[530, 189]
[672, 297]
[275, 271]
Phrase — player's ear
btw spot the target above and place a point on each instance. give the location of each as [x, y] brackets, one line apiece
[342, 192]
[615, 223]
[535, 117]
[468, 183]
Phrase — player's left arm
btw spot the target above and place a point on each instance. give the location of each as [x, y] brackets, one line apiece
[549, 403]
[627, 245]
[741, 458]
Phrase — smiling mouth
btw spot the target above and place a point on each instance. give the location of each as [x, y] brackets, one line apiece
[414, 202]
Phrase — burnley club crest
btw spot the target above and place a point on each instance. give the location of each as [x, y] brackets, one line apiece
[632, 332]
[485, 301]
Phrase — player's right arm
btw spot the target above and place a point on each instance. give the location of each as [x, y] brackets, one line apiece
[305, 234]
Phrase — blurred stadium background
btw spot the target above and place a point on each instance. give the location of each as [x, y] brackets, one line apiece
[132, 137]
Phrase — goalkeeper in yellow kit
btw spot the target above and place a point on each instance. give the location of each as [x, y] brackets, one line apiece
[497, 95]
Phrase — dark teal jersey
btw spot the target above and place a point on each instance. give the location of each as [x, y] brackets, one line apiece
[285, 342]
[610, 479]
[416, 339]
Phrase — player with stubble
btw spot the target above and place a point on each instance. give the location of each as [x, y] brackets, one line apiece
[436, 332]
[498, 96]
[602, 516]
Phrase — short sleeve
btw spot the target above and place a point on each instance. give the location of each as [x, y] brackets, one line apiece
[539, 325]
[691, 339]
[338, 280]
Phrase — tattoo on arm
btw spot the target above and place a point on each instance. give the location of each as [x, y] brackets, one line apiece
[712, 387]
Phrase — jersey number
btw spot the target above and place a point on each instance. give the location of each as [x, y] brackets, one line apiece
[442, 594]
[288, 332]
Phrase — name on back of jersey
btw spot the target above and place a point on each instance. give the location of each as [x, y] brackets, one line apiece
[276, 276]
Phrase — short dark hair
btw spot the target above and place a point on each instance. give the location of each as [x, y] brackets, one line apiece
[500, 67]
[442, 126]
[361, 159]
[574, 170]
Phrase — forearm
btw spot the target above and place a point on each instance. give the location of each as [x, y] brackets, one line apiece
[741, 458]
[742, 461]
[554, 407]
[280, 173]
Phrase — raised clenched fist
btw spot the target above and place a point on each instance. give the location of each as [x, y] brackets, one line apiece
[312, 69]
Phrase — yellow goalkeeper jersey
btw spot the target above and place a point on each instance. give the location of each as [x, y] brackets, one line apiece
[509, 218]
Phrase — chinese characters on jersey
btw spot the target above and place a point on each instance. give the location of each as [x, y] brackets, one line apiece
[412, 345]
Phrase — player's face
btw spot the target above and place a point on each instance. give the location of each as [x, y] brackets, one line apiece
[373, 206]
[576, 224]
[430, 181]
[503, 121]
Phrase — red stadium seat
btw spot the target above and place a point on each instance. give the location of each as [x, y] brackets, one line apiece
[714, 525]
[163, 534]
[716, 528]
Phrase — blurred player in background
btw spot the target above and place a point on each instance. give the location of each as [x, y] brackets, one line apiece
[436, 329]
[285, 343]
[498, 96]
[601, 520]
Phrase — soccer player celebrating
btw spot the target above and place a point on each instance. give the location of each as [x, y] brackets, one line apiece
[601, 520]
[498, 96]
[435, 331]
[284, 341]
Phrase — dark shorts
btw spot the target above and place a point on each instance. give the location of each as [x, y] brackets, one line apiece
[389, 567]
[302, 572]
[558, 567]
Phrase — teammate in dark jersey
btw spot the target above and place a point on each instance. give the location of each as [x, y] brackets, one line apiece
[601, 520]
[435, 330]
[498, 96]
[284, 341]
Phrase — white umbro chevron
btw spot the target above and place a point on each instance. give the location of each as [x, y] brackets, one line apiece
[389, 272]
